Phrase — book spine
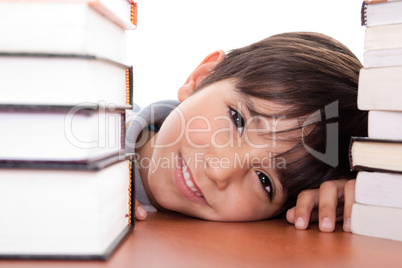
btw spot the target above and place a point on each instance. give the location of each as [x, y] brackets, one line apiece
[129, 85]
[123, 130]
[131, 197]
[364, 14]
[352, 168]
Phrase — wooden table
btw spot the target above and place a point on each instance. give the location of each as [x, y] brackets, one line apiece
[172, 240]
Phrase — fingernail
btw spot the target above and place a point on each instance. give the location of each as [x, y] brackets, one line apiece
[346, 225]
[300, 223]
[326, 224]
[140, 211]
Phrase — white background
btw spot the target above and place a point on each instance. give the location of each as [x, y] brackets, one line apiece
[173, 36]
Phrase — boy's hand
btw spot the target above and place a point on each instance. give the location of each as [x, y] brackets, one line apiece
[325, 204]
[140, 213]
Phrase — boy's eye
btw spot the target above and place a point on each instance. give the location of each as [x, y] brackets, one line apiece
[238, 120]
[266, 183]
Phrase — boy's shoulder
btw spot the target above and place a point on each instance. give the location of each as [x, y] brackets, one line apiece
[137, 119]
[153, 112]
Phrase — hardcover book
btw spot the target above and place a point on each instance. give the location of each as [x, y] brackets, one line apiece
[381, 13]
[60, 28]
[383, 36]
[379, 189]
[379, 1]
[385, 125]
[81, 133]
[121, 12]
[376, 221]
[56, 211]
[379, 88]
[376, 154]
[64, 80]
[383, 57]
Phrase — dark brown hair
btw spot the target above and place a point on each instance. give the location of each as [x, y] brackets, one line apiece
[305, 72]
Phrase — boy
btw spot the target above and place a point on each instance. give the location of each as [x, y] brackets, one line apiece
[257, 131]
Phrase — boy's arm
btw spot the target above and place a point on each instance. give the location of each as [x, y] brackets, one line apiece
[330, 203]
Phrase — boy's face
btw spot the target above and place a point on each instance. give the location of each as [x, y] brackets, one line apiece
[214, 160]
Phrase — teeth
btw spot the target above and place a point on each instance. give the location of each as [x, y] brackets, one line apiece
[189, 183]
[187, 179]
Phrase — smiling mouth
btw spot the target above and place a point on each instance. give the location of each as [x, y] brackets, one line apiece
[186, 184]
[187, 178]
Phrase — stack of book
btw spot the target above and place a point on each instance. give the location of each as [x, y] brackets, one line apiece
[378, 208]
[65, 181]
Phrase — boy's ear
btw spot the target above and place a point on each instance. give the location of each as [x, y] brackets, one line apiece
[202, 71]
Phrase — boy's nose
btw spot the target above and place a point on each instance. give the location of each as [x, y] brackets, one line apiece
[221, 170]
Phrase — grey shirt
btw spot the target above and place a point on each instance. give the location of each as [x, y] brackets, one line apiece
[137, 120]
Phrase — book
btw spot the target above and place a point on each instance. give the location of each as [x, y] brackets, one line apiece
[121, 12]
[63, 212]
[84, 133]
[55, 79]
[376, 154]
[378, 1]
[381, 13]
[379, 189]
[60, 28]
[379, 88]
[377, 210]
[385, 124]
[382, 57]
[65, 181]
[376, 221]
[383, 36]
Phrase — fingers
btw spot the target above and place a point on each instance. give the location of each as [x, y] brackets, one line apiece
[301, 214]
[290, 215]
[140, 213]
[349, 200]
[328, 201]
